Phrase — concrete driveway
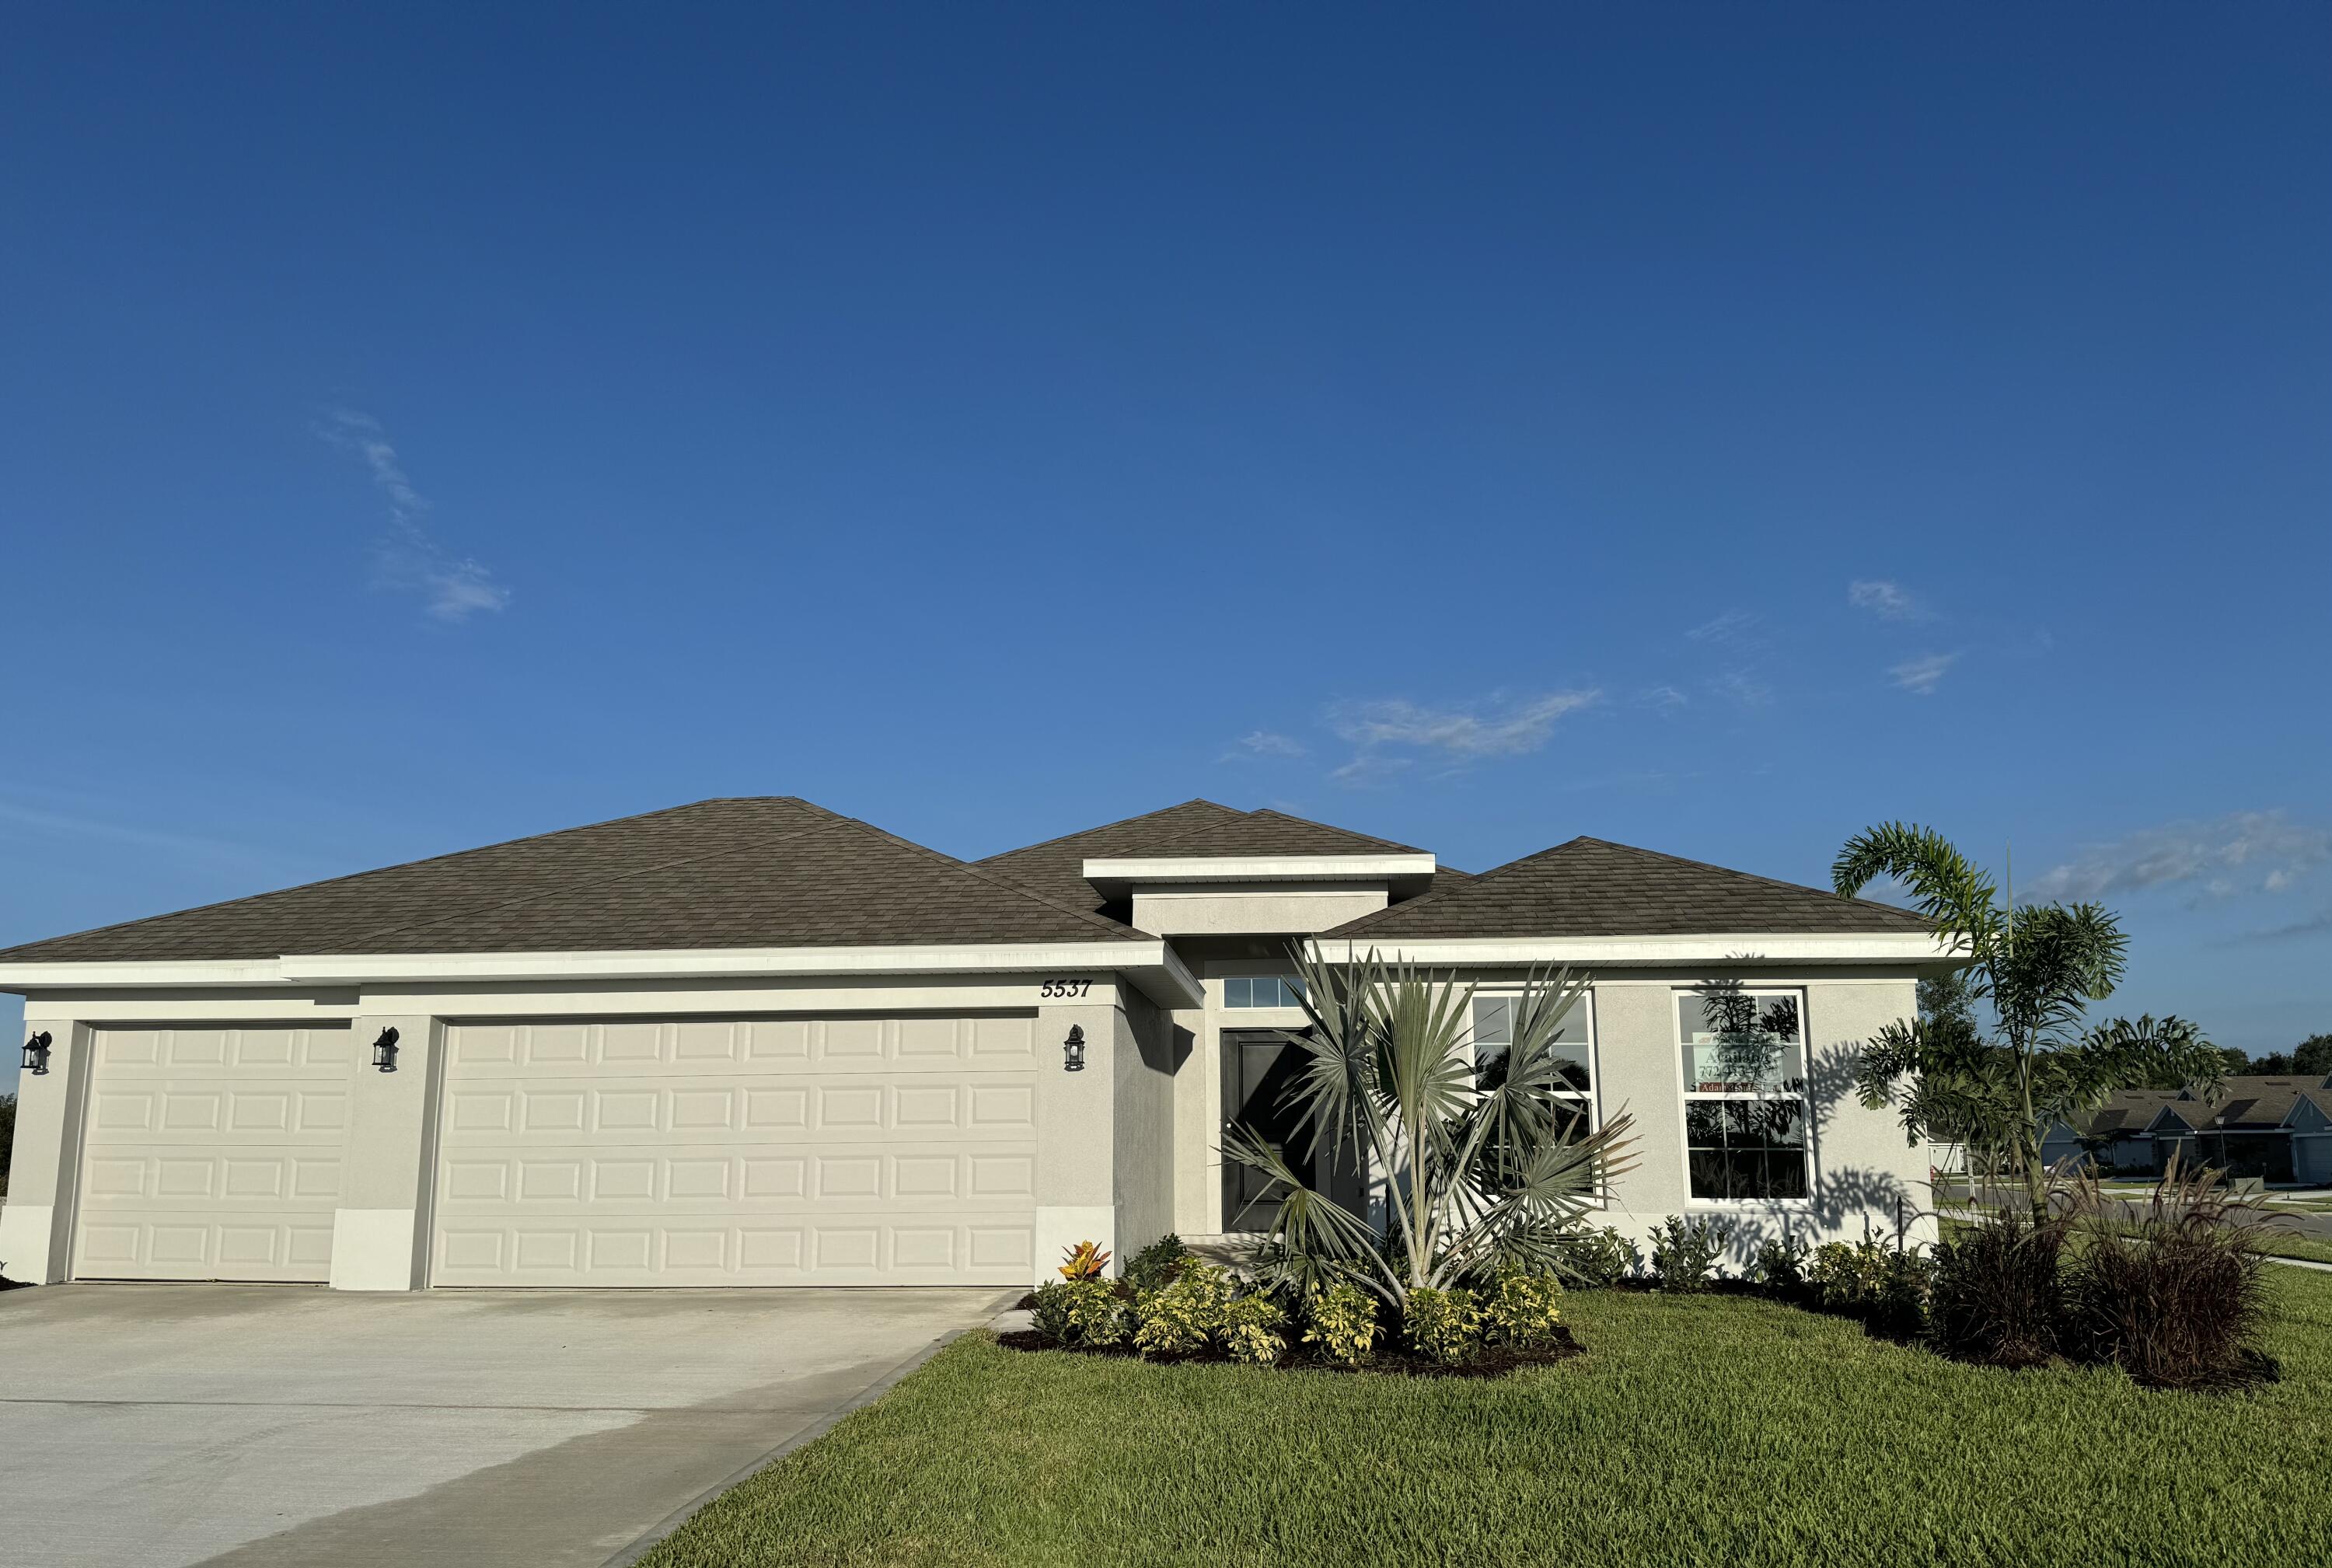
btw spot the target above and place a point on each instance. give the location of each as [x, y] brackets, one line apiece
[151, 1425]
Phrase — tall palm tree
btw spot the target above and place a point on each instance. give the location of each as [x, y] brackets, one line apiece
[1480, 1171]
[2040, 966]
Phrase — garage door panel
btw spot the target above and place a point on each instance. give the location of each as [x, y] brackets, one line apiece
[738, 1151]
[213, 1152]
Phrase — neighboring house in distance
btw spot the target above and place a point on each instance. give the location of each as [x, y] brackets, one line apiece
[753, 1042]
[2276, 1126]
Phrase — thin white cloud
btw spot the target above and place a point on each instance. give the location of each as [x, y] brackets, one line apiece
[2246, 851]
[1732, 627]
[1743, 689]
[1922, 675]
[1666, 699]
[408, 558]
[1885, 599]
[182, 846]
[1264, 743]
[1388, 735]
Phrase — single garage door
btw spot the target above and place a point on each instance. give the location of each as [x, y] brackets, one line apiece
[212, 1152]
[860, 1150]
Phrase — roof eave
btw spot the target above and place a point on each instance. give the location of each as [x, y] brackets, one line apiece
[1733, 949]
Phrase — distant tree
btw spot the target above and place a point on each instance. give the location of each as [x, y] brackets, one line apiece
[2274, 1062]
[2313, 1057]
[2039, 967]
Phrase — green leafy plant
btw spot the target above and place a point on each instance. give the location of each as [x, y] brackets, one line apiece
[1156, 1265]
[1885, 1286]
[1685, 1251]
[1254, 1330]
[1342, 1321]
[1480, 1175]
[1598, 1257]
[1444, 1325]
[2038, 966]
[1085, 1260]
[1183, 1317]
[1085, 1313]
[2174, 1295]
[1524, 1312]
[1781, 1263]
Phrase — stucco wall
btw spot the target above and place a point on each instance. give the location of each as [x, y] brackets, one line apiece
[1148, 1049]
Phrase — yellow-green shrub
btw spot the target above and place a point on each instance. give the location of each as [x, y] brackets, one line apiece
[1344, 1323]
[1251, 1329]
[1182, 1317]
[1080, 1312]
[1443, 1325]
[1524, 1311]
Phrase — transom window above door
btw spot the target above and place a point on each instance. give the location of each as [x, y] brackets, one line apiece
[1263, 990]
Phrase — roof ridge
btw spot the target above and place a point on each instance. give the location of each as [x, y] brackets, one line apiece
[1732, 871]
[564, 888]
[1003, 883]
[1105, 827]
[405, 865]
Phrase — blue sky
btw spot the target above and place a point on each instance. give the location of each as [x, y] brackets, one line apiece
[1710, 428]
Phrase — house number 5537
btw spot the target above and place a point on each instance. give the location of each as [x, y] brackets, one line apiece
[1065, 989]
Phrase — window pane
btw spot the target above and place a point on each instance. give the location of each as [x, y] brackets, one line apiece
[1746, 1150]
[1295, 989]
[1738, 1042]
[1238, 992]
[1494, 1019]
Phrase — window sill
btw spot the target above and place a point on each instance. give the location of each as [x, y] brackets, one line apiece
[1750, 1205]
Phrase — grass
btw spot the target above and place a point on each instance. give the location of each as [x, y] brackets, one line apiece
[1698, 1430]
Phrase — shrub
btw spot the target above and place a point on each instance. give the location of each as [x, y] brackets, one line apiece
[1998, 1295]
[1344, 1323]
[1781, 1263]
[2172, 1296]
[1598, 1257]
[1524, 1310]
[1253, 1329]
[1080, 1312]
[1182, 1318]
[1685, 1251]
[1885, 1286]
[1444, 1325]
[1155, 1266]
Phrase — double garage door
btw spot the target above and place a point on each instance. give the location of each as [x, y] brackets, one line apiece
[858, 1150]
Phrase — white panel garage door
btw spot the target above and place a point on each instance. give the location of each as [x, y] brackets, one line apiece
[211, 1154]
[738, 1152]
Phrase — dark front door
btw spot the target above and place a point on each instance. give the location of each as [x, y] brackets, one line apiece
[1259, 1068]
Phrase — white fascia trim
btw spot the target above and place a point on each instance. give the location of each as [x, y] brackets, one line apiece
[1758, 948]
[1175, 868]
[1151, 965]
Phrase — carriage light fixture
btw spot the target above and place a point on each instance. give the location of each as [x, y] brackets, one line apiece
[384, 1051]
[36, 1054]
[1073, 1050]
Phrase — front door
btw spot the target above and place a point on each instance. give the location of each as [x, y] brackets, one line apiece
[1259, 1068]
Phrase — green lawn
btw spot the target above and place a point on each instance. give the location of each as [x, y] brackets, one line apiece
[1712, 1430]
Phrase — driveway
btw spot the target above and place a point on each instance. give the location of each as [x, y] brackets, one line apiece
[151, 1425]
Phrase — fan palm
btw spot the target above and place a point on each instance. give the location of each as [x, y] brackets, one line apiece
[1480, 1171]
[2040, 966]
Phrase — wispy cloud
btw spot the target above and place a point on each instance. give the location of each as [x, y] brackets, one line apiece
[1744, 689]
[1733, 625]
[408, 558]
[1389, 734]
[1922, 675]
[2317, 924]
[1664, 699]
[1257, 744]
[184, 846]
[1886, 600]
[2247, 851]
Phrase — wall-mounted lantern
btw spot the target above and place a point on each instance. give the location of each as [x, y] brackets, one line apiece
[384, 1051]
[1073, 1050]
[36, 1054]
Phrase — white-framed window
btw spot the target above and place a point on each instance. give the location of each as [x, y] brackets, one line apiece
[1574, 1044]
[1263, 990]
[1745, 1114]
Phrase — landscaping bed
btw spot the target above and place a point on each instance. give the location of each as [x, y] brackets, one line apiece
[1397, 1361]
[1715, 1429]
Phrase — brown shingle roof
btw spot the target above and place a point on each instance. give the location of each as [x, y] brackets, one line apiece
[1276, 833]
[1589, 887]
[769, 872]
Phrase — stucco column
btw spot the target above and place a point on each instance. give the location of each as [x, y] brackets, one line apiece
[1077, 1190]
[44, 1170]
[380, 1231]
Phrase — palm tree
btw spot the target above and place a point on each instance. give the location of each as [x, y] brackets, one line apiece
[2040, 966]
[1481, 1172]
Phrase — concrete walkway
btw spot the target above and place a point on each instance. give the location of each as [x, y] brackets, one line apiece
[161, 1426]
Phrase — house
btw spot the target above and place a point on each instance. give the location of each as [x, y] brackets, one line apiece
[754, 1042]
[2277, 1126]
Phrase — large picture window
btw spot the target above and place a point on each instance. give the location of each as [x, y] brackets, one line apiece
[1744, 1094]
[1575, 1048]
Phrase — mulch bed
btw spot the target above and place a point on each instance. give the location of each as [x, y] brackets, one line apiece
[1392, 1362]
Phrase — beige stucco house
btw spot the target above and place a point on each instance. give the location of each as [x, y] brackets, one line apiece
[753, 1042]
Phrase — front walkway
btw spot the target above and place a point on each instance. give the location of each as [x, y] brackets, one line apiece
[155, 1426]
